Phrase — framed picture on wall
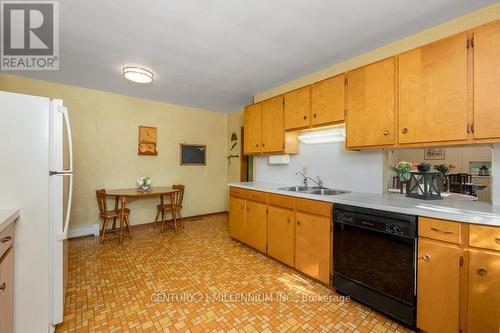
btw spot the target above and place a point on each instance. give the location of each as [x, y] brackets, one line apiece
[192, 154]
[434, 154]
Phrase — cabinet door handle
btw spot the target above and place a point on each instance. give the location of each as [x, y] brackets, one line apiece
[305, 117]
[298, 222]
[5, 239]
[426, 257]
[482, 271]
[314, 115]
[386, 132]
[263, 145]
[442, 231]
[3, 286]
[404, 130]
[288, 220]
[256, 145]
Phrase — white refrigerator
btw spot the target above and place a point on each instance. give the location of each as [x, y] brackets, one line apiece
[36, 176]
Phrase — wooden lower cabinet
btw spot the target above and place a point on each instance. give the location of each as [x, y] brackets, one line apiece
[7, 292]
[438, 283]
[484, 292]
[313, 246]
[281, 234]
[256, 225]
[237, 214]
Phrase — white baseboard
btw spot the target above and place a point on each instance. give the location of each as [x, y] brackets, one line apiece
[87, 230]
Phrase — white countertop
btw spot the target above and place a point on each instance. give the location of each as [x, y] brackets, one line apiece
[8, 216]
[476, 212]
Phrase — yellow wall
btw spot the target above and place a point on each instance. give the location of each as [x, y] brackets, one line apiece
[485, 15]
[234, 124]
[105, 148]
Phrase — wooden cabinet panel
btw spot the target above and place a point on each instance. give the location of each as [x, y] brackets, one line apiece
[257, 196]
[370, 105]
[7, 294]
[237, 214]
[253, 131]
[281, 234]
[313, 246]
[433, 92]
[484, 237]
[446, 231]
[256, 225]
[273, 131]
[484, 292]
[438, 287]
[279, 200]
[298, 108]
[237, 192]
[314, 207]
[487, 81]
[327, 101]
[6, 238]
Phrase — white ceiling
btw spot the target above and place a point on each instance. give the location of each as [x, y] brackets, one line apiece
[217, 54]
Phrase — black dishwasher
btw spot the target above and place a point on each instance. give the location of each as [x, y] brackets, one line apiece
[375, 259]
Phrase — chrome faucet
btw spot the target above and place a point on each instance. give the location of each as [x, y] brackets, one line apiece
[304, 181]
[318, 182]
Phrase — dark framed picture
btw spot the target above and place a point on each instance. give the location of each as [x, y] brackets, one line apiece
[434, 154]
[192, 154]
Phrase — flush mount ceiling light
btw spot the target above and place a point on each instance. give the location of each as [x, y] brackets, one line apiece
[137, 74]
[336, 134]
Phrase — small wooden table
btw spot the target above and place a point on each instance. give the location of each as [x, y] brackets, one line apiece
[123, 194]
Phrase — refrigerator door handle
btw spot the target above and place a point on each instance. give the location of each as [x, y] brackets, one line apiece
[64, 111]
[64, 234]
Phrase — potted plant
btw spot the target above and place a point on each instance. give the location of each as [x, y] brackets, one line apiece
[402, 170]
[144, 184]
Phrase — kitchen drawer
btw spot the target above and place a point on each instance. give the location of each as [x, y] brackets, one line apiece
[7, 292]
[314, 207]
[484, 237]
[446, 231]
[237, 192]
[6, 238]
[284, 201]
[257, 196]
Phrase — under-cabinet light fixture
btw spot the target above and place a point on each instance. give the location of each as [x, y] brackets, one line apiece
[335, 134]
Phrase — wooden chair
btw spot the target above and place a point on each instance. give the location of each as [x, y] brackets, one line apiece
[107, 215]
[457, 182]
[173, 208]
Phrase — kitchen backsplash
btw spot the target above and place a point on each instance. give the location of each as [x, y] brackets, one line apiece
[349, 170]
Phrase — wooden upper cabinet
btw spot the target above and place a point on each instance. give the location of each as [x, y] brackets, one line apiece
[328, 101]
[298, 108]
[273, 131]
[438, 293]
[433, 92]
[253, 130]
[370, 105]
[487, 81]
[484, 292]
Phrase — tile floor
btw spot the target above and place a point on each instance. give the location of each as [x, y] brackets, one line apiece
[199, 280]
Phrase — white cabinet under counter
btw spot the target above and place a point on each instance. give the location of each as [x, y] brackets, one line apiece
[8, 217]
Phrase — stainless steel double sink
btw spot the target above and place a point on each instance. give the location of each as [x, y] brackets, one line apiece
[313, 190]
